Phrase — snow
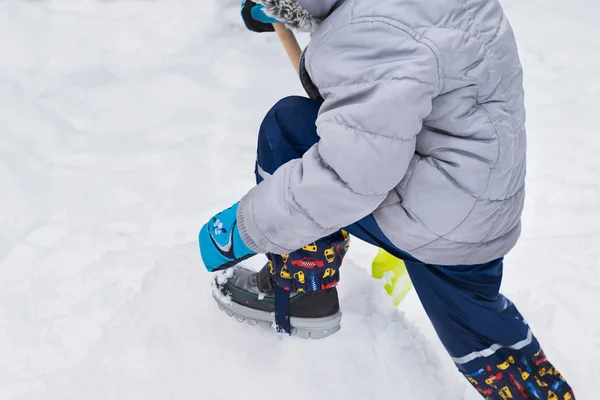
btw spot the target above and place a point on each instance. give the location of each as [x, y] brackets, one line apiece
[125, 125]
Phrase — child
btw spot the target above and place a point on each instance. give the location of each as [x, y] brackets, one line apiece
[413, 140]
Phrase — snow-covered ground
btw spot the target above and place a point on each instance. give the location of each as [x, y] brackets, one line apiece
[124, 125]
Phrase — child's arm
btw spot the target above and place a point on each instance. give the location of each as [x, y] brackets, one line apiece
[378, 83]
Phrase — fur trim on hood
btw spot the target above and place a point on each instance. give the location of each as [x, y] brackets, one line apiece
[291, 13]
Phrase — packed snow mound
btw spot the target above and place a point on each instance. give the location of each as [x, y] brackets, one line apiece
[172, 341]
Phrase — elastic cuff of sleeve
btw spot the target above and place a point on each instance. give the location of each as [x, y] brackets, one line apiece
[241, 225]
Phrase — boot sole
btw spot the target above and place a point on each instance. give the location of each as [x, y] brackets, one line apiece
[305, 328]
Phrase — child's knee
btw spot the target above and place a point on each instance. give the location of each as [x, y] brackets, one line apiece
[293, 117]
[293, 102]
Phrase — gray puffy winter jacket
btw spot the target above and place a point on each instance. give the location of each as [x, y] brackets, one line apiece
[422, 125]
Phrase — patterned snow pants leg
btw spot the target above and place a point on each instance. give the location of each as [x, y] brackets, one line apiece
[286, 133]
[314, 267]
[482, 330]
[521, 377]
[487, 337]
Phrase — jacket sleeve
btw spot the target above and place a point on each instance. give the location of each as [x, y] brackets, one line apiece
[377, 82]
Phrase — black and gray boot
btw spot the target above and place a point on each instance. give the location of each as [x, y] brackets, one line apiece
[250, 296]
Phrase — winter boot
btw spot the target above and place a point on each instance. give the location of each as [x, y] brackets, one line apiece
[251, 297]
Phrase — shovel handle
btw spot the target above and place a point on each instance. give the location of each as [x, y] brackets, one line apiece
[290, 44]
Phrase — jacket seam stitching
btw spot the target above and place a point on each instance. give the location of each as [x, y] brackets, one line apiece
[443, 237]
[475, 244]
[413, 34]
[263, 235]
[345, 183]
[302, 209]
[507, 198]
[486, 186]
[496, 135]
[437, 235]
[497, 34]
[434, 163]
[357, 129]
[458, 105]
[366, 82]
[469, 12]
[385, 20]
[476, 198]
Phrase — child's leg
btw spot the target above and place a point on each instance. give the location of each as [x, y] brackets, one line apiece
[482, 330]
[485, 334]
[297, 290]
[286, 133]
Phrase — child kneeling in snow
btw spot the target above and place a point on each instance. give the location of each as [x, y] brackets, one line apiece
[414, 141]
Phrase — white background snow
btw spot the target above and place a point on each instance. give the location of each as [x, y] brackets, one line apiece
[124, 125]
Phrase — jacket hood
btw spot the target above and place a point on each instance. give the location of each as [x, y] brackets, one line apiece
[300, 15]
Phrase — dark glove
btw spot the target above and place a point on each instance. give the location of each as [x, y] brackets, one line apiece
[255, 18]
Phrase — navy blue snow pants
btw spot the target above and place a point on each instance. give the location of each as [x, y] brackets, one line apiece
[484, 333]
